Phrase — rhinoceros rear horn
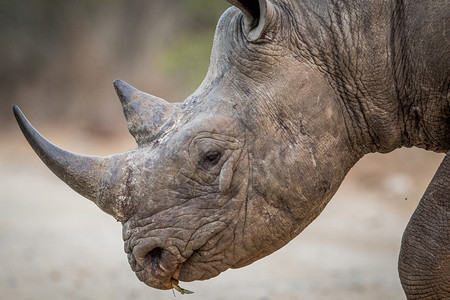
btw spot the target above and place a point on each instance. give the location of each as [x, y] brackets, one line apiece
[256, 13]
[93, 177]
[146, 114]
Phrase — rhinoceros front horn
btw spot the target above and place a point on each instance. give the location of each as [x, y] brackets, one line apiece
[147, 116]
[95, 178]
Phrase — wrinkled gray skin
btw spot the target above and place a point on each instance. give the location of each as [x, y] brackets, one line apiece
[296, 93]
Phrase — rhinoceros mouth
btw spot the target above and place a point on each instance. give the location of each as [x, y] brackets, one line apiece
[160, 261]
[158, 267]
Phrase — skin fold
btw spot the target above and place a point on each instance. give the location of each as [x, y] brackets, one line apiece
[296, 93]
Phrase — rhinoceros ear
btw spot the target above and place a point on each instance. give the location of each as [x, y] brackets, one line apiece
[256, 15]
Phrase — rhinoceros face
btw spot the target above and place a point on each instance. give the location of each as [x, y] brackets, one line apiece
[189, 192]
[226, 177]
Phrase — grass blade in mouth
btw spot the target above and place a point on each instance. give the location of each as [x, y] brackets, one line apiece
[181, 290]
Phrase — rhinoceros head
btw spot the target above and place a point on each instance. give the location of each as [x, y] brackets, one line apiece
[226, 177]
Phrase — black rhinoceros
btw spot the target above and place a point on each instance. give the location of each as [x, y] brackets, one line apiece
[296, 93]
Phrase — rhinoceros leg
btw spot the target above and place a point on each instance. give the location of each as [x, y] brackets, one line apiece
[424, 263]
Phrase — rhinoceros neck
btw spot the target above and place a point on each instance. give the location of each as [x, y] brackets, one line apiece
[367, 50]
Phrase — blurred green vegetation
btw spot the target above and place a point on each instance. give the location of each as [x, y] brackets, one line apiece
[59, 57]
[184, 58]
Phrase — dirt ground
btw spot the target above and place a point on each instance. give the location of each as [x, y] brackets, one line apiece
[56, 245]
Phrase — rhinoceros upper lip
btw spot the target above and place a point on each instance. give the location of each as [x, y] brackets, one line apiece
[157, 268]
[160, 267]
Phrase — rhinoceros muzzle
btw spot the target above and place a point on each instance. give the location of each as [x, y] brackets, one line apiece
[157, 267]
[155, 263]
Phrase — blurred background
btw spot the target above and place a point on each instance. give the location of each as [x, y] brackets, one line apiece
[58, 60]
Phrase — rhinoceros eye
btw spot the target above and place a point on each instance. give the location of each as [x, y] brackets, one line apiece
[211, 158]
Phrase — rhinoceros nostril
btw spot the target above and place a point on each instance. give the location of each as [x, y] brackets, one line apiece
[153, 258]
[156, 266]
